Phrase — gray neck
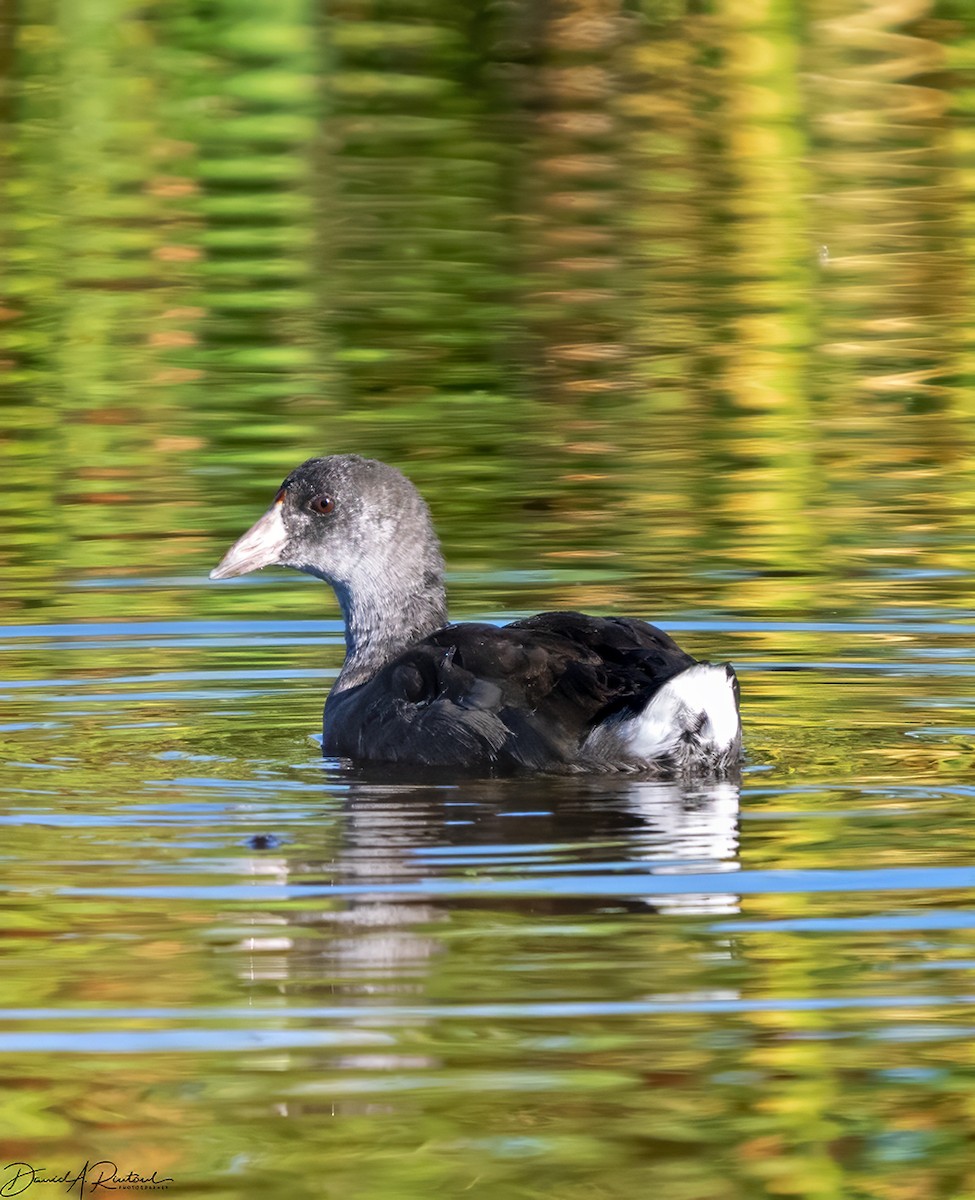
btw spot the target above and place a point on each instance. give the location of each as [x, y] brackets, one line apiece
[386, 611]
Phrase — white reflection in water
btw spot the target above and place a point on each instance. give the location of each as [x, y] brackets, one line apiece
[695, 830]
[384, 945]
[383, 942]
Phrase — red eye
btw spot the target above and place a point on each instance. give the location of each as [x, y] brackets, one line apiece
[322, 505]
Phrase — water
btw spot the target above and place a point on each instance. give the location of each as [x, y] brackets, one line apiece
[669, 314]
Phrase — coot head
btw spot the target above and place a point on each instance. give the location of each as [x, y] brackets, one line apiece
[340, 518]
[364, 528]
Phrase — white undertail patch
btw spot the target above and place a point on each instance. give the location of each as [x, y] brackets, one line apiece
[693, 718]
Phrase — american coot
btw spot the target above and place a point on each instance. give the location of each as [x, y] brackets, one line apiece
[560, 692]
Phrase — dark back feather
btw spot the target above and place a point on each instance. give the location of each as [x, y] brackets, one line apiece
[520, 697]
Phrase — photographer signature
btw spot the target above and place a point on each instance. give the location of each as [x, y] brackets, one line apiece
[92, 1176]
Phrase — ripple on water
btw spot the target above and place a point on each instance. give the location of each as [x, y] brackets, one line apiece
[202, 892]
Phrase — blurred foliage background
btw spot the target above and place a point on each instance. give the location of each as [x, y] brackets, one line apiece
[664, 287]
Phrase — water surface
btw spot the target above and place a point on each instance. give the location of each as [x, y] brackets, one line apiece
[668, 311]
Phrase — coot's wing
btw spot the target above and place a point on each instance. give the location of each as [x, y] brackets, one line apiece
[523, 696]
[622, 643]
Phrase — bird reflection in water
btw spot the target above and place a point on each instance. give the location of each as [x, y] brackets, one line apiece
[544, 846]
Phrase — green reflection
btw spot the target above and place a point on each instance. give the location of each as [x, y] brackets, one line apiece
[668, 309]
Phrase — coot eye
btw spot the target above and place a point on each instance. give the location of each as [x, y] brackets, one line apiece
[322, 505]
